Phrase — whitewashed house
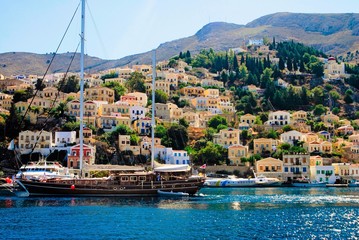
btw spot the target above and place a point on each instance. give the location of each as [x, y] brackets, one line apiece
[62, 139]
[291, 136]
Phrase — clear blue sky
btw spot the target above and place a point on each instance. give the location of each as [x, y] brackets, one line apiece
[118, 28]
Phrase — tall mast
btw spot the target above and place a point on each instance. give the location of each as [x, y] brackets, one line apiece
[153, 110]
[82, 84]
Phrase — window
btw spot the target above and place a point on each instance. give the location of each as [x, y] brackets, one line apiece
[304, 169]
[285, 169]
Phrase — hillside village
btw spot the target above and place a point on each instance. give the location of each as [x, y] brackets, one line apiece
[288, 115]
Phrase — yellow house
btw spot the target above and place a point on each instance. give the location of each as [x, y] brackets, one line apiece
[192, 118]
[225, 104]
[311, 137]
[100, 94]
[263, 145]
[21, 86]
[5, 101]
[211, 93]
[52, 93]
[42, 103]
[212, 103]
[191, 91]
[172, 78]
[91, 109]
[144, 69]
[299, 116]
[110, 122]
[354, 139]
[87, 133]
[125, 145]
[168, 111]
[118, 107]
[163, 86]
[40, 141]
[248, 118]
[125, 72]
[270, 167]
[140, 97]
[227, 137]
[341, 169]
[21, 108]
[316, 146]
[236, 152]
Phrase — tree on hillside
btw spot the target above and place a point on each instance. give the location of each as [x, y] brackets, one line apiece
[160, 96]
[136, 83]
[118, 88]
[177, 137]
[23, 95]
[217, 120]
[71, 84]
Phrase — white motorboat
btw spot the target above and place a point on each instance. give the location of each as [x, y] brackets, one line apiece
[43, 170]
[260, 181]
[306, 182]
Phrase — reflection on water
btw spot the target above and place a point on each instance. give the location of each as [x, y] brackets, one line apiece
[219, 199]
[251, 213]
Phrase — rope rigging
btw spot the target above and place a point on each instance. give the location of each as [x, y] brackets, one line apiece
[41, 82]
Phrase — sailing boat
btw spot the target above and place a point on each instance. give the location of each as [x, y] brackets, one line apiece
[131, 182]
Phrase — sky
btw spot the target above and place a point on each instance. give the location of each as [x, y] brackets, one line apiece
[118, 28]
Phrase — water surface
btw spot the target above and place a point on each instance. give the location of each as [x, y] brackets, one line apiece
[230, 213]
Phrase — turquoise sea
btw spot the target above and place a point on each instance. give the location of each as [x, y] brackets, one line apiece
[231, 213]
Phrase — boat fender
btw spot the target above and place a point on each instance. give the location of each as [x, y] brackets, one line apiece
[115, 188]
[122, 188]
[72, 187]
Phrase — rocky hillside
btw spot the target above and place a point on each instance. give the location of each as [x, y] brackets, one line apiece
[332, 33]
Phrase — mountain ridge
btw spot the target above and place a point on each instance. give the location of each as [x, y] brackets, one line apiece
[331, 33]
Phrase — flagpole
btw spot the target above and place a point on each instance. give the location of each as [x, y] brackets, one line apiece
[153, 110]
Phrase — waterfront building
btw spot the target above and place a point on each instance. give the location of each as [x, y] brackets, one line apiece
[296, 165]
[37, 141]
[322, 174]
[270, 167]
[73, 159]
